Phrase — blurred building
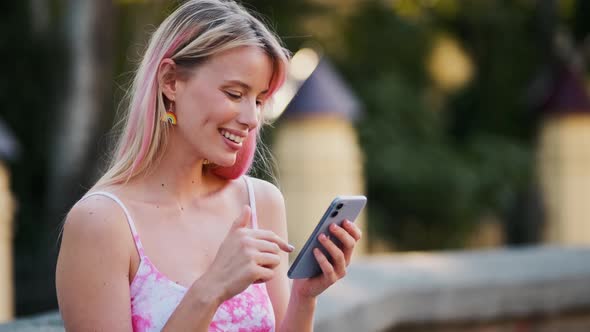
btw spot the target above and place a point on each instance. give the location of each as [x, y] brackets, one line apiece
[8, 151]
[564, 159]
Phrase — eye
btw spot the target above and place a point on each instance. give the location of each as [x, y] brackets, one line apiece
[259, 102]
[233, 95]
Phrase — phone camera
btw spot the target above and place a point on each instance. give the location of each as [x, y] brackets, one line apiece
[339, 206]
[334, 214]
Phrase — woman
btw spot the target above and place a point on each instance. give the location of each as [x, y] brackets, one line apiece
[174, 236]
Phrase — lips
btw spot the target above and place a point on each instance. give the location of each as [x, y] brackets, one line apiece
[234, 138]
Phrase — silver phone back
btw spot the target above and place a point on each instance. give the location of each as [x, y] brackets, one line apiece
[305, 265]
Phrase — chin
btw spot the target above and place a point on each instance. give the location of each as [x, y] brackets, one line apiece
[224, 162]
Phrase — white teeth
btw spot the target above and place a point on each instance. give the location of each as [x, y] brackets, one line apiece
[232, 137]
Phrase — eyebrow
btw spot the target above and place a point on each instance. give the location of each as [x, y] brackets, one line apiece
[244, 85]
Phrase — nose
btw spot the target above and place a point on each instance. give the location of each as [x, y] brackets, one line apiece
[249, 115]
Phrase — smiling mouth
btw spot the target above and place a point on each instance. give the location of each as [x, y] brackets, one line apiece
[231, 137]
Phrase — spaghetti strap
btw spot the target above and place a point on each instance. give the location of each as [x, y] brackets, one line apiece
[112, 196]
[252, 199]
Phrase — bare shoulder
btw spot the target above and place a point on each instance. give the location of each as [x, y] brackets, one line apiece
[270, 205]
[92, 274]
[97, 227]
[267, 194]
[96, 216]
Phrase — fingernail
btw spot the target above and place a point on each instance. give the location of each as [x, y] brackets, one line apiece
[322, 236]
[291, 247]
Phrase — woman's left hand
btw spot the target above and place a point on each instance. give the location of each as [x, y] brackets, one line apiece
[349, 234]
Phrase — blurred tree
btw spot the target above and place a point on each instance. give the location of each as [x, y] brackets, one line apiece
[89, 27]
[439, 161]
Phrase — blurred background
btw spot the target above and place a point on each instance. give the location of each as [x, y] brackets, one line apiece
[466, 123]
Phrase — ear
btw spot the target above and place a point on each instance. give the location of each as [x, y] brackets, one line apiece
[167, 78]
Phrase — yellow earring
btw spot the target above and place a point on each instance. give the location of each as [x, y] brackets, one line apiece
[170, 117]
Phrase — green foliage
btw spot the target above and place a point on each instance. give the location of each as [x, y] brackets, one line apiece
[433, 171]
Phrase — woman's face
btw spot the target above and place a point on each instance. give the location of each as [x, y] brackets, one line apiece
[221, 101]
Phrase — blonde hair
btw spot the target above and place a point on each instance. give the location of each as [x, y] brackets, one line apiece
[194, 32]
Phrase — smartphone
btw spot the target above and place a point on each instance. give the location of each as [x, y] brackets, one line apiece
[342, 207]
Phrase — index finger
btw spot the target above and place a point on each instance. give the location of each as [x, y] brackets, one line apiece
[272, 237]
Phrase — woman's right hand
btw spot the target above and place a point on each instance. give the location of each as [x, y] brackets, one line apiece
[245, 256]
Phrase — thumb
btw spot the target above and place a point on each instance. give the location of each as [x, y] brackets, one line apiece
[243, 219]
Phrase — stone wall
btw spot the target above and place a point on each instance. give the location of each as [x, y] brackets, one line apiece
[439, 289]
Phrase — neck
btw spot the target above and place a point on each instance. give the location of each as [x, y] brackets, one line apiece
[181, 175]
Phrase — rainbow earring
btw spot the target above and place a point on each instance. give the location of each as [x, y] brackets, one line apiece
[169, 116]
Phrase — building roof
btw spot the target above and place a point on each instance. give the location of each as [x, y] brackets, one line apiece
[9, 146]
[324, 91]
[565, 93]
